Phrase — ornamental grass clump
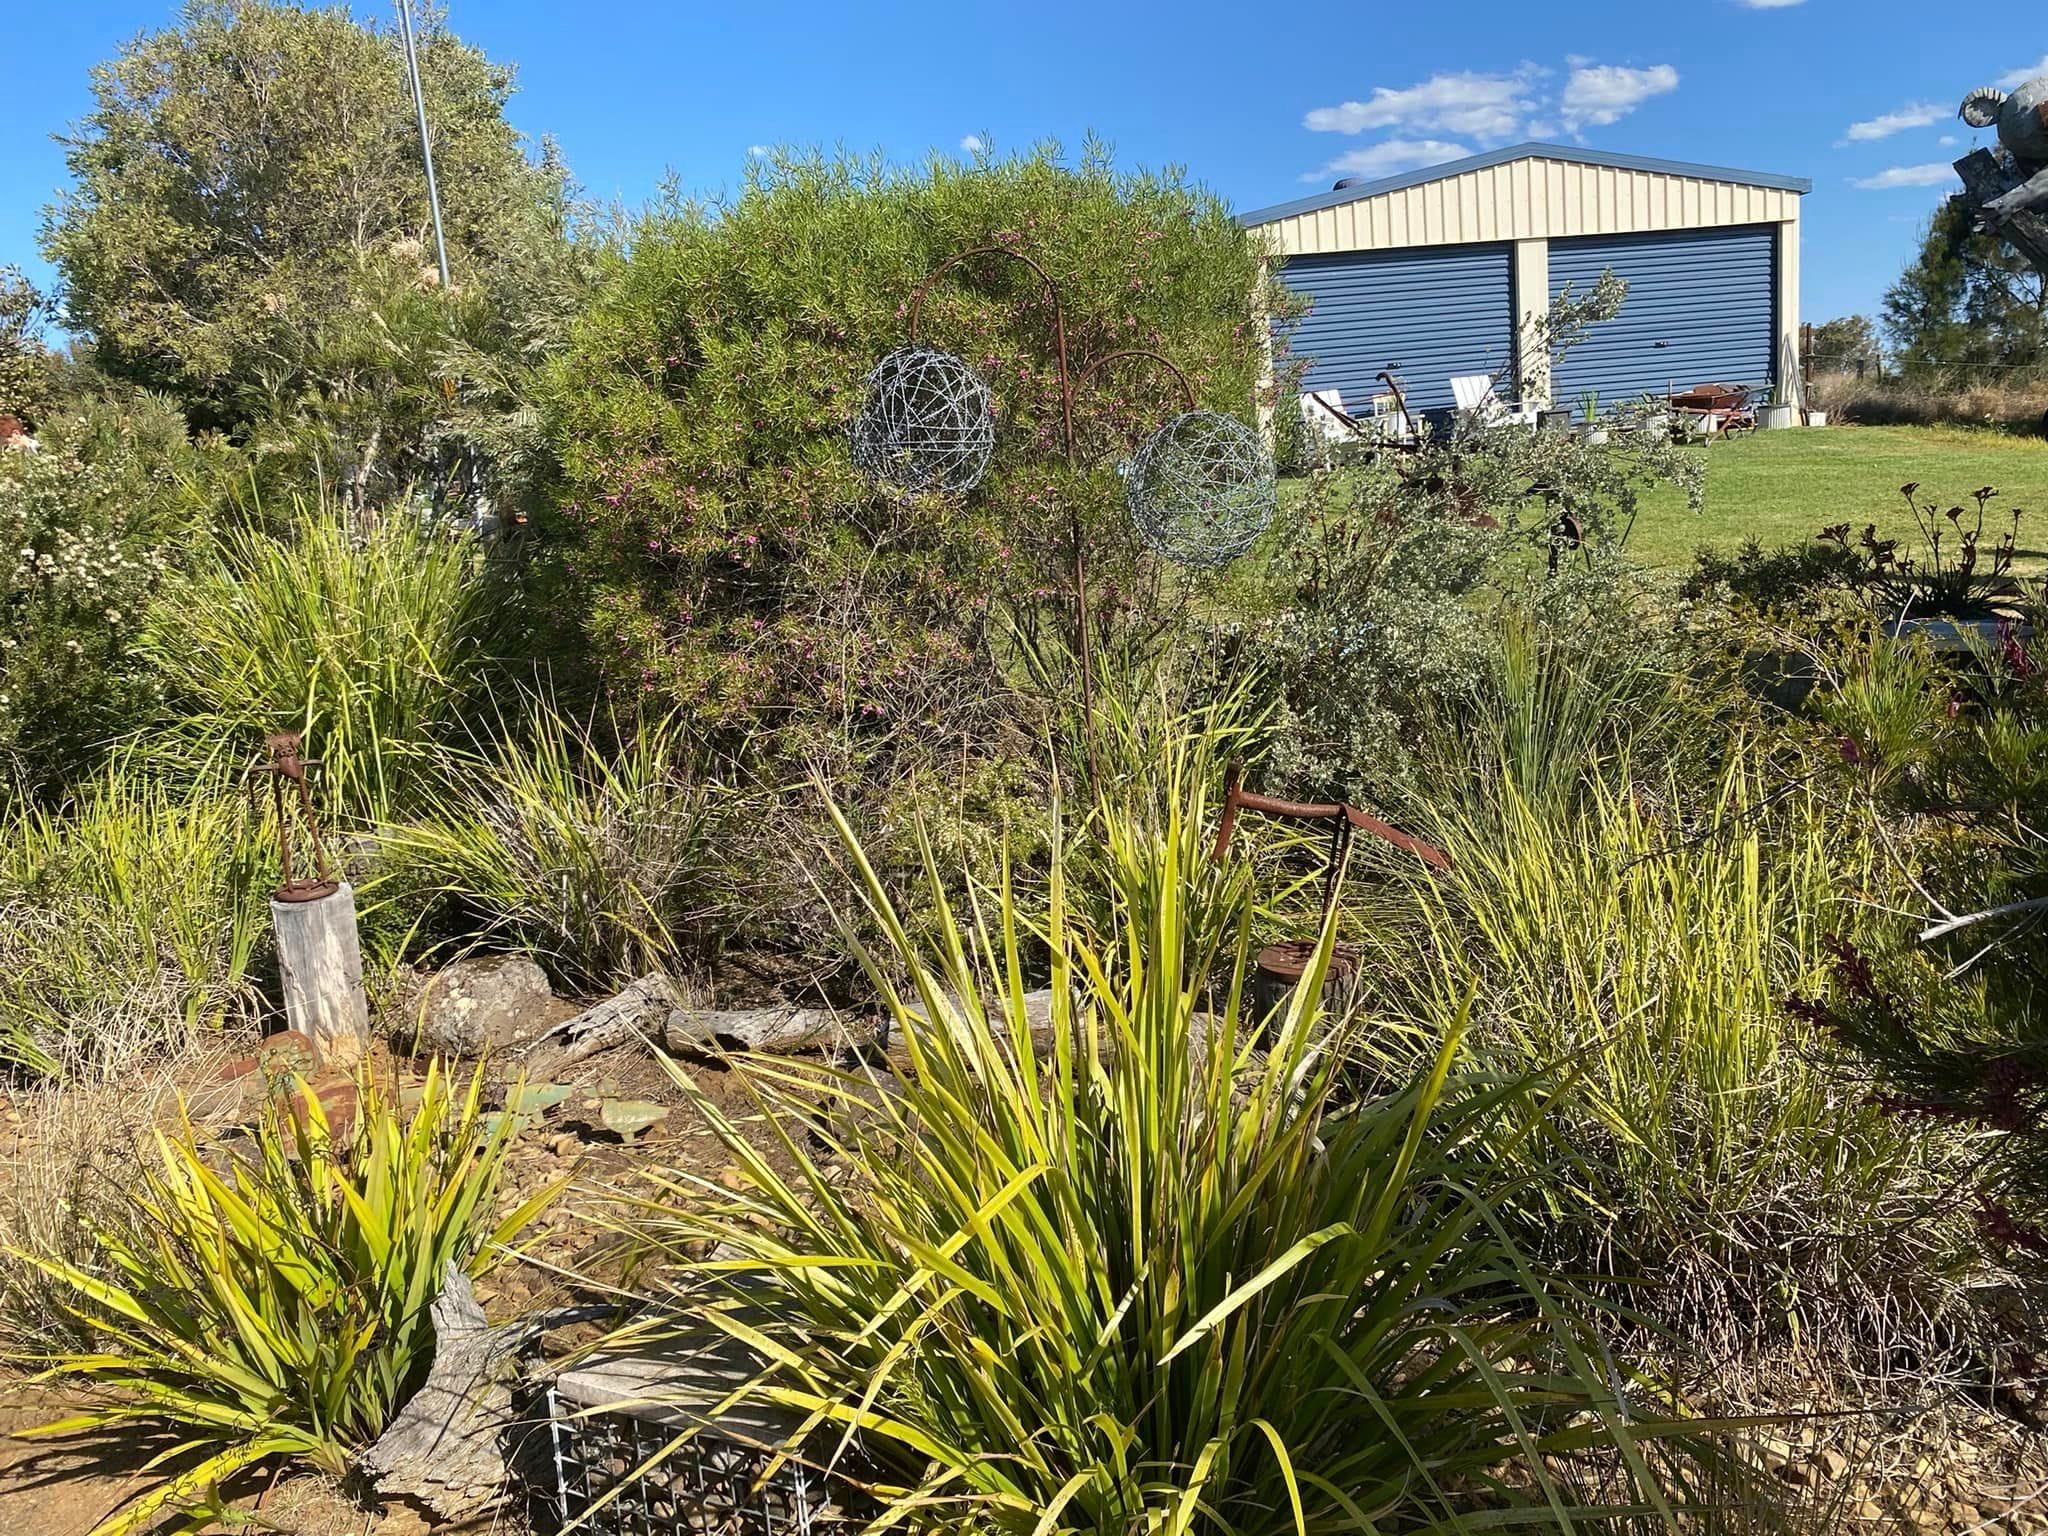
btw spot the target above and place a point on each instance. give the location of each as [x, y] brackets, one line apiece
[607, 852]
[275, 1301]
[1639, 899]
[364, 641]
[128, 921]
[1139, 1266]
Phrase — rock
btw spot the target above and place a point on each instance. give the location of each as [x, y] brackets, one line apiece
[1834, 1464]
[337, 1096]
[479, 1004]
[338, 1103]
[276, 1055]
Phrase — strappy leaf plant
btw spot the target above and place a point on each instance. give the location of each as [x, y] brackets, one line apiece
[279, 1306]
[1132, 1262]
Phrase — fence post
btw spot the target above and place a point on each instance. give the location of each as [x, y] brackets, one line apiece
[320, 963]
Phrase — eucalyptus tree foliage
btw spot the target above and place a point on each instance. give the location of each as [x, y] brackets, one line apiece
[248, 229]
[24, 359]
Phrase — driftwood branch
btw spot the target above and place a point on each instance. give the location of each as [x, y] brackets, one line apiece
[445, 1447]
[649, 1007]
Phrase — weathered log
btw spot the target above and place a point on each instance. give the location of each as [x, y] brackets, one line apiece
[445, 1447]
[649, 1007]
[638, 1008]
[320, 967]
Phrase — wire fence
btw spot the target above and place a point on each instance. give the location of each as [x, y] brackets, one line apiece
[1874, 368]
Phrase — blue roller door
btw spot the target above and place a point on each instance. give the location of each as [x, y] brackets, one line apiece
[1422, 314]
[1701, 309]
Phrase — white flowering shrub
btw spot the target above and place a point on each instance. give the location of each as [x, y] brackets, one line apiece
[88, 518]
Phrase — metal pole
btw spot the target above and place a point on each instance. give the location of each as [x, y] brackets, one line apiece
[419, 102]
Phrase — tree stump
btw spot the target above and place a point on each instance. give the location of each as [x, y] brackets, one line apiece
[320, 962]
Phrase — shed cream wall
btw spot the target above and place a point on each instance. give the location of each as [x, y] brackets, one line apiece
[1791, 389]
[1530, 199]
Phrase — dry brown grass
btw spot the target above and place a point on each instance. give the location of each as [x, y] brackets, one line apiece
[2020, 405]
[74, 1155]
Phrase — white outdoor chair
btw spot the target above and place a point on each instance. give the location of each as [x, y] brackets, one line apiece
[1476, 396]
[1323, 413]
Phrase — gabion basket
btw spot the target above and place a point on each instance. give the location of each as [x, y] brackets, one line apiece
[1201, 489]
[927, 423]
[613, 1426]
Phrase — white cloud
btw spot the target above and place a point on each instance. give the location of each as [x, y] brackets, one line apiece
[1904, 176]
[1918, 114]
[972, 144]
[2020, 77]
[1390, 157]
[1948, 141]
[1487, 107]
[1494, 108]
[1767, 5]
[1599, 94]
[759, 151]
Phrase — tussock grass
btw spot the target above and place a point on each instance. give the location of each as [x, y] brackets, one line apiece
[365, 642]
[128, 920]
[1958, 399]
[608, 852]
[1638, 905]
[78, 1154]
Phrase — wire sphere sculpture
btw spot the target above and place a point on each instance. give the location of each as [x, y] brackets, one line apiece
[927, 423]
[1201, 489]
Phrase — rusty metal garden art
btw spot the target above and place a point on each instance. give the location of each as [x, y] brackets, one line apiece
[1279, 967]
[1200, 489]
[284, 764]
[929, 423]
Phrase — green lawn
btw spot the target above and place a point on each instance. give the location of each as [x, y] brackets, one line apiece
[1781, 487]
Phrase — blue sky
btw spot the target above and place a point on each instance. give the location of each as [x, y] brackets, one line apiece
[1263, 105]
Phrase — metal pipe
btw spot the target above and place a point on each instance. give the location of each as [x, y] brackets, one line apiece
[1236, 797]
[419, 102]
[1059, 322]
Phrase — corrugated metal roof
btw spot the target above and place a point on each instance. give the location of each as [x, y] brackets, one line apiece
[1532, 151]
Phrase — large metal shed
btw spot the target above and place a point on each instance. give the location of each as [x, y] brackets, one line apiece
[1444, 272]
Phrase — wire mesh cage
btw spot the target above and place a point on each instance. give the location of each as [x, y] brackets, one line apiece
[1201, 489]
[636, 1450]
[626, 1476]
[927, 423]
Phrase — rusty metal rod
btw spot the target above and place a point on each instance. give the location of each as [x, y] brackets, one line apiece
[1236, 797]
[1082, 642]
[1400, 399]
